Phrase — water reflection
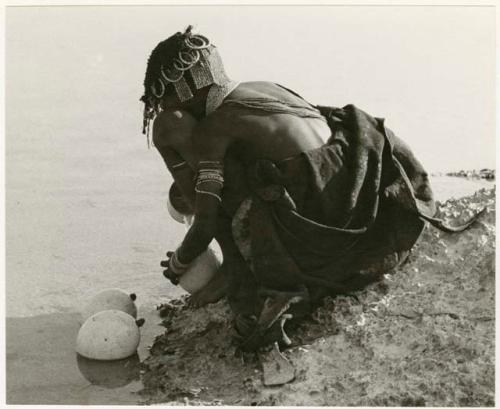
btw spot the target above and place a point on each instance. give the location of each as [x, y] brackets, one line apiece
[110, 374]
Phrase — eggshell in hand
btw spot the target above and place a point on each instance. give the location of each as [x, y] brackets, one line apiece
[200, 271]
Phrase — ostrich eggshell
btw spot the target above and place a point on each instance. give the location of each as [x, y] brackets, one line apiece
[174, 214]
[110, 299]
[108, 335]
[201, 271]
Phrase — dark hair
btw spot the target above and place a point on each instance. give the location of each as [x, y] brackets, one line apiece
[162, 55]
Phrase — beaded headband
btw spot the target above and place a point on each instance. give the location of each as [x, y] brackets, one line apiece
[203, 63]
[198, 57]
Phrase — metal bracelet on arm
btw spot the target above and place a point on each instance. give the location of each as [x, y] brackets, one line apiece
[210, 171]
[176, 265]
[178, 166]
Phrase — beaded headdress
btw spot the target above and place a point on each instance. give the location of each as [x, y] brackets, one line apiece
[195, 56]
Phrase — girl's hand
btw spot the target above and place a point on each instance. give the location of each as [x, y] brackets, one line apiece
[174, 268]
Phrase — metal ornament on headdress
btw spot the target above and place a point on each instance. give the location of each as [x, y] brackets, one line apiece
[155, 92]
[170, 77]
[201, 73]
[209, 70]
[215, 66]
[182, 89]
[197, 56]
[180, 66]
[196, 42]
[193, 57]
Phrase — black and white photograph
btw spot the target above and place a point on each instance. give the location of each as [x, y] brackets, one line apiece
[250, 204]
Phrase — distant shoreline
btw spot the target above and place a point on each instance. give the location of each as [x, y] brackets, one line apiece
[485, 174]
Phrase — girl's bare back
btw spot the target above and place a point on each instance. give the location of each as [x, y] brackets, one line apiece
[256, 134]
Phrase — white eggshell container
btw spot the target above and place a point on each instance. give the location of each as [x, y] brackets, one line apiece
[108, 335]
[201, 271]
[110, 299]
[174, 214]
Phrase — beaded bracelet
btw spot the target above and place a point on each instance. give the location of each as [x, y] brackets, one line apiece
[176, 265]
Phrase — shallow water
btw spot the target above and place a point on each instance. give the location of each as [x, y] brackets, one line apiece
[43, 368]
